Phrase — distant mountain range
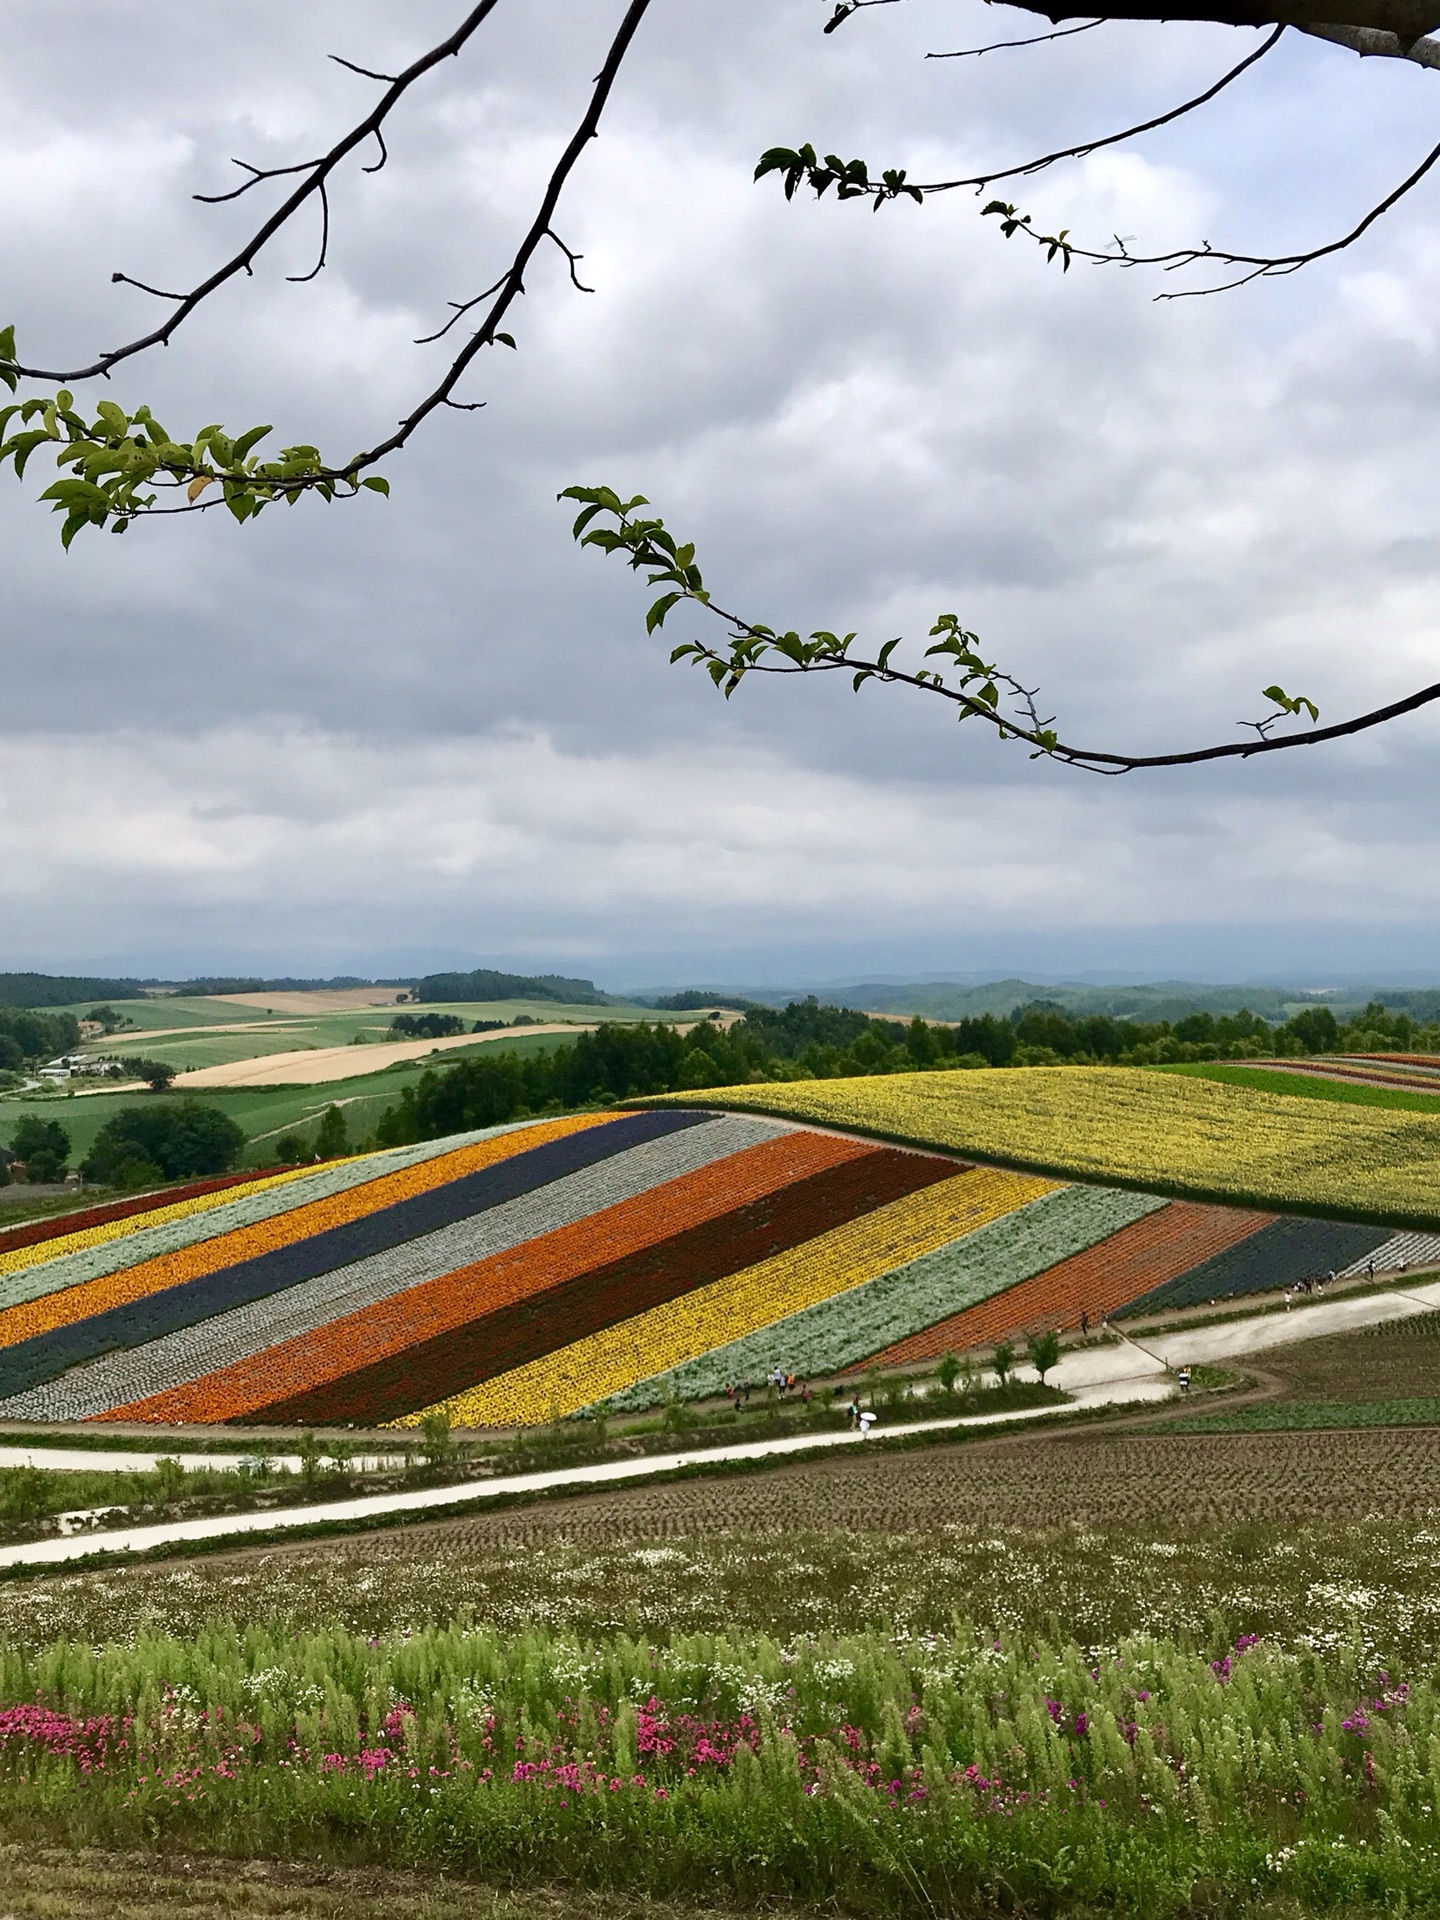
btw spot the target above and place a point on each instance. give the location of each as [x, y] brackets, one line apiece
[932, 996]
[956, 998]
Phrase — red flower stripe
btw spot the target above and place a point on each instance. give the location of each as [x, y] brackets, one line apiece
[494, 1342]
[37, 1231]
[1103, 1279]
[436, 1307]
[71, 1304]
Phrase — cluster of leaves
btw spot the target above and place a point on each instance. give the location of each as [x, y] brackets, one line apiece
[850, 178]
[114, 466]
[1012, 221]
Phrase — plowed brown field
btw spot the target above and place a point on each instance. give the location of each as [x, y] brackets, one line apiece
[1102, 1279]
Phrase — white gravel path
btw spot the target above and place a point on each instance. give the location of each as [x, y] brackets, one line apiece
[431, 1499]
[1112, 1375]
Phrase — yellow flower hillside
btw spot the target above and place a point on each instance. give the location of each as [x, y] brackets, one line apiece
[1164, 1132]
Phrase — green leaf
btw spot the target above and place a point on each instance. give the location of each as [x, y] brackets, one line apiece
[776, 160]
[377, 483]
[504, 340]
[249, 440]
[656, 616]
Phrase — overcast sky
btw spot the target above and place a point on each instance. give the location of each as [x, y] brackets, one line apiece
[395, 735]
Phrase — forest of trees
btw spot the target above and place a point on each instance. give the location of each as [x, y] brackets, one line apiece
[26, 1037]
[809, 1041]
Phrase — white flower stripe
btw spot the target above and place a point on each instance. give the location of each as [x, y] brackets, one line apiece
[1409, 1249]
[119, 1378]
[852, 1325]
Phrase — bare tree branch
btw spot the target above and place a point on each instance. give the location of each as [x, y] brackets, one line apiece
[513, 285]
[1370, 43]
[317, 173]
[1259, 266]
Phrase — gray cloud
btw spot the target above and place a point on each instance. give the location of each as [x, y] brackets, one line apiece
[434, 715]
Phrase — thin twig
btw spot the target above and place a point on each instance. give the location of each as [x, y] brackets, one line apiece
[257, 174]
[999, 46]
[462, 307]
[124, 280]
[574, 260]
[366, 73]
[301, 278]
[1085, 147]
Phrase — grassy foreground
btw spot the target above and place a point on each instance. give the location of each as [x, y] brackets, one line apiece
[949, 1772]
[1130, 1126]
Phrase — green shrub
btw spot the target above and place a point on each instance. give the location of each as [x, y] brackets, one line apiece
[177, 1139]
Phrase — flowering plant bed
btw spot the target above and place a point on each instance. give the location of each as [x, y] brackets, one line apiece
[847, 1771]
[1167, 1134]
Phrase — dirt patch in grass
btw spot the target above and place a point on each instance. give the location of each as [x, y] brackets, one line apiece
[52, 1883]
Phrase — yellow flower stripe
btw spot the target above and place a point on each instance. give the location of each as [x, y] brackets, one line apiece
[23, 1257]
[64, 1307]
[741, 1303]
[1163, 1132]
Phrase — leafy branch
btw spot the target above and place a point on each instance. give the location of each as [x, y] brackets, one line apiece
[977, 688]
[115, 467]
[803, 166]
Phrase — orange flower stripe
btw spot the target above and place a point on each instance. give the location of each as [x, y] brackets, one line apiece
[439, 1306]
[63, 1309]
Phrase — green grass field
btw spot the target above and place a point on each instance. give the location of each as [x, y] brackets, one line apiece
[1306, 1086]
[263, 1112]
[206, 1043]
[163, 1010]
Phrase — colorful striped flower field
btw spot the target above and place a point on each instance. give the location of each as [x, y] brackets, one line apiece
[552, 1266]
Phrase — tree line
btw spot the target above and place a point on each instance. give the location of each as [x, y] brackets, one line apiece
[807, 1040]
[148, 1144]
